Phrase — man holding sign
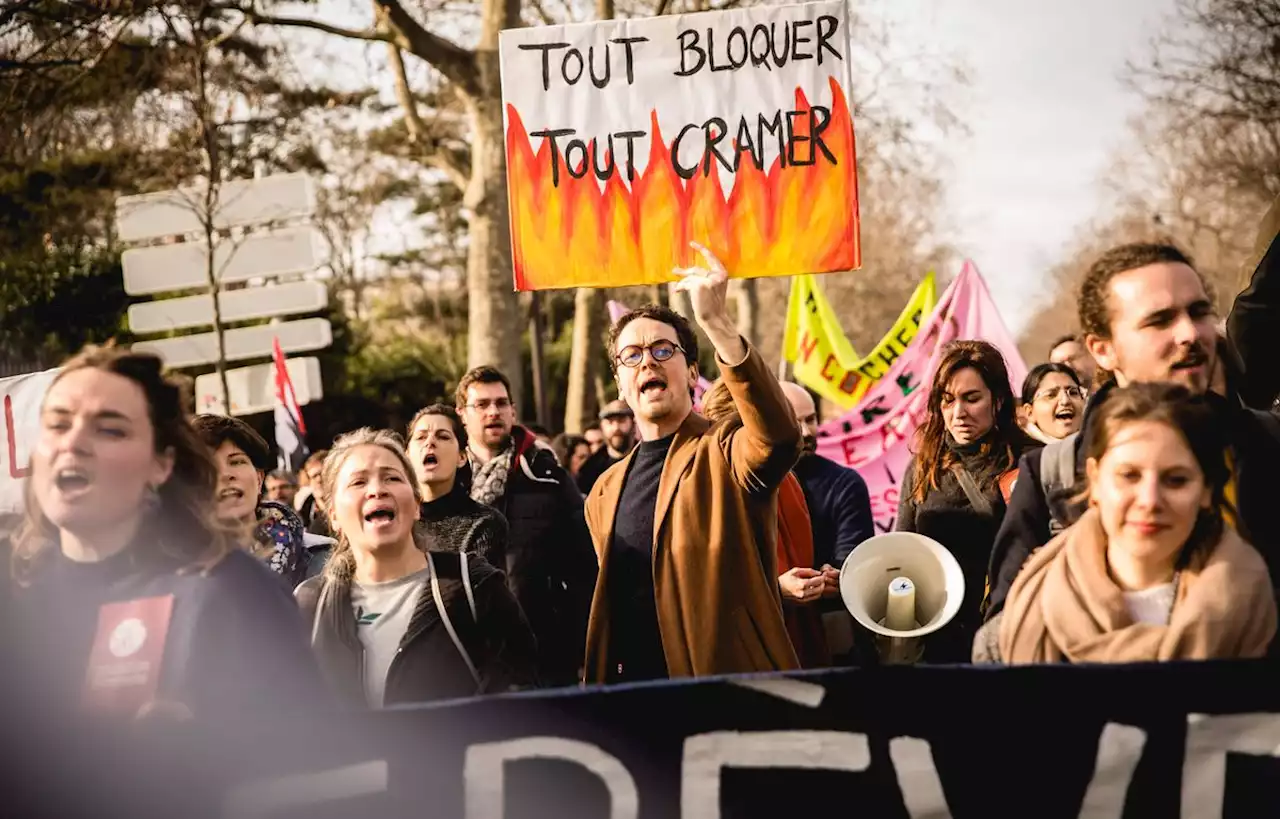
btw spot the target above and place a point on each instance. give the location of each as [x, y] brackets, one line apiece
[685, 528]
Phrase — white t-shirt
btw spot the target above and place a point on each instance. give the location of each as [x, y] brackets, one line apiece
[383, 612]
[1151, 606]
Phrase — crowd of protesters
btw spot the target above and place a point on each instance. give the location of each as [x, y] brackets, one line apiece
[1115, 509]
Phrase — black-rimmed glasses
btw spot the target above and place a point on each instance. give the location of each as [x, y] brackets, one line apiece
[633, 355]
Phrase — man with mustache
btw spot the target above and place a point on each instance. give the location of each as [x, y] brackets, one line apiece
[550, 565]
[685, 527]
[618, 426]
[1147, 317]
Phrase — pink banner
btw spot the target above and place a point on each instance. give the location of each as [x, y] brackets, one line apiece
[875, 436]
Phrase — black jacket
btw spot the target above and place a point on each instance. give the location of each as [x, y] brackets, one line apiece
[1254, 324]
[428, 665]
[595, 466]
[1255, 442]
[551, 563]
[456, 523]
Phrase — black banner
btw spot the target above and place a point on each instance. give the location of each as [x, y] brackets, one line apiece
[1103, 741]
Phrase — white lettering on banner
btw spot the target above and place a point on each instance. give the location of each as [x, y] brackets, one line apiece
[918, 778]
[706, 754]
[22, 396]
[1204, 766]
[1119, 749]
[483, 773]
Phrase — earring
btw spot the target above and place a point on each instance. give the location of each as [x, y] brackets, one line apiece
[150, 499]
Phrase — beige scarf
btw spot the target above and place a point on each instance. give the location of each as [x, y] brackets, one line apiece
[1064, 606]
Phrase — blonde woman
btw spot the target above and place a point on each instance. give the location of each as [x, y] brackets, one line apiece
[1151, 572]
[391, 623]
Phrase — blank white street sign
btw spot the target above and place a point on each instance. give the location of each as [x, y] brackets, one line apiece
[240, 202]
[237, 305]
[242, 342]
[182, 266]
[253, 389]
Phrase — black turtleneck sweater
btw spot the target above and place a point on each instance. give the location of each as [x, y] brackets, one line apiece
[946, 515]
[456, 523]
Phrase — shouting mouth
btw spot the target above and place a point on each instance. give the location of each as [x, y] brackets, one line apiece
[71, 480]
[653, 386]
[1065, 414]
[230, 493]
[1193, 360]
[430, 459]
[380, 517]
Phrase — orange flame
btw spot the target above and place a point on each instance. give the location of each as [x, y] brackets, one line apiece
[794, 219]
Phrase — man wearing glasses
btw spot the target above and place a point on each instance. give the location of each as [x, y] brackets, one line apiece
[551, 567]
[686, 526]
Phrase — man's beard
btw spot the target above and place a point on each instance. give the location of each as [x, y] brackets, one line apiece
[810, 446]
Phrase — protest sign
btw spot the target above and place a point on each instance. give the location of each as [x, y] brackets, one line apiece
[21, 396]
[874, 437]
[1053, 741]
[825, 361]
[626, 140]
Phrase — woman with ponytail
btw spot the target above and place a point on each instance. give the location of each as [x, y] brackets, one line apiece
[390, 622]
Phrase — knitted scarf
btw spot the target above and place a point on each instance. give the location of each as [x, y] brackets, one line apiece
[489, 481]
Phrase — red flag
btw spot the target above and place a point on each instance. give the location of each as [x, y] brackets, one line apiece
[291, 430]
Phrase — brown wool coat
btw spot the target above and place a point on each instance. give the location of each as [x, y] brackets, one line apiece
[715, 536]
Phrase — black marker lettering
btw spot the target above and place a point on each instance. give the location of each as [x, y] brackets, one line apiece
[760, 56]
[689, 42]
[577, 169]
[630, 137]
[741, 34]
[711, 52]
[716, 130]
[564, 65]
[819, 119]
[774, 127]
[794, 139]
[545, 48]
[683, 172]
[604, 173]
[626, 43]
[555, 150]
[780, 59]
[599, 82]
[746, 144]
[795, 51]
[827, 26]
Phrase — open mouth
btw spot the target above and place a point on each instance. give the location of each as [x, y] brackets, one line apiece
[71, 479]
[380, 516]
[653, 385]
[429, 459]
[1065, 414]
[230, 493]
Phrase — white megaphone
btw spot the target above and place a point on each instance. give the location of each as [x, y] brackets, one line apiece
[901, 586]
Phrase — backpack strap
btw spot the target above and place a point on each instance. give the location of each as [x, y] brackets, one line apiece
[448, 622]
[1058, 473]
[977, 500]
[466, 587]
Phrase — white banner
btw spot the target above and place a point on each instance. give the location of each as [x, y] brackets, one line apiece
[21, 396]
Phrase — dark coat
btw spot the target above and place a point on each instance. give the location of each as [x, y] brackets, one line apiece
[551, 567]
[428, 665]
[1254, 323]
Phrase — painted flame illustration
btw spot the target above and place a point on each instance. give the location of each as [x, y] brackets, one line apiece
[791, 220]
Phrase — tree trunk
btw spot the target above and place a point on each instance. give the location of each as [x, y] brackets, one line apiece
[748, 299]
[588, 323]
[493, 313]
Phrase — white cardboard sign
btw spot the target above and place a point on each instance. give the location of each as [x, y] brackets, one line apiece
[628, 139]
[21, 397]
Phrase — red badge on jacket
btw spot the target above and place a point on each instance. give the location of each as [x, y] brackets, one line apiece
[126, 659]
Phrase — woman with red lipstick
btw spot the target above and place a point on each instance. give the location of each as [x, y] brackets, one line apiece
[956, 486]
[1151, 572]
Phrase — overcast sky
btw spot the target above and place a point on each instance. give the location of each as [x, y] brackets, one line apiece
[1047, 111]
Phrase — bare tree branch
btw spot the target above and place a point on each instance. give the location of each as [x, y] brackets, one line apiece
[450, 59]
[445, 161]
[257, 18]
